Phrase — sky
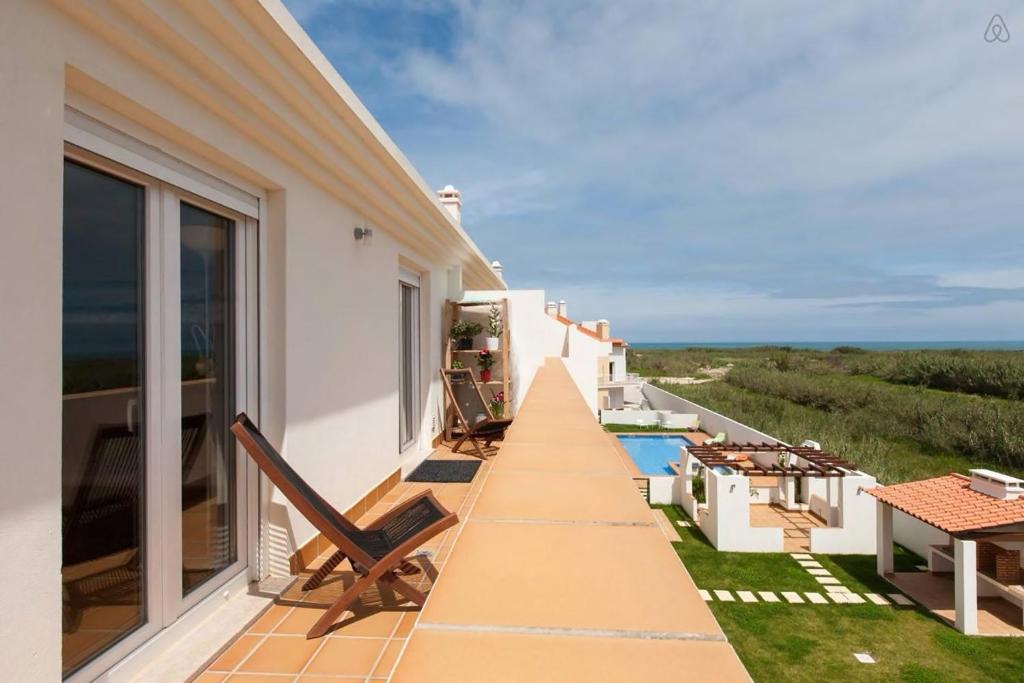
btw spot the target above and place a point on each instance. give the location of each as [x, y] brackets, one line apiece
[700, 171]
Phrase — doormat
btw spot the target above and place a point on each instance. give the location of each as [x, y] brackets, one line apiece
[445, 471]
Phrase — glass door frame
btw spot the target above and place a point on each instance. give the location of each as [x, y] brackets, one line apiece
[165, 602]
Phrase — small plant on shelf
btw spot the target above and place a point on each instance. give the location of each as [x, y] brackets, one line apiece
[484, 361]
[463, 332]
[498, 405]
[493, 328]
[457, 364]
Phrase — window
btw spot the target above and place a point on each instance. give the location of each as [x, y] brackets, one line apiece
[409, 353]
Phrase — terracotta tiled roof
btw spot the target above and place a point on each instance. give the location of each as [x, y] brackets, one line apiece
[950, 504]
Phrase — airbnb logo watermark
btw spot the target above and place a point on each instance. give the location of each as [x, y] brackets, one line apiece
[997, 30]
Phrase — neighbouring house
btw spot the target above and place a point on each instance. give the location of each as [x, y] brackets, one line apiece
[970, 530]
[201, 219]
[772, 497]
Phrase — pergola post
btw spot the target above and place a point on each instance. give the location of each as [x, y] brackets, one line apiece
[883, 522]
[965, 578]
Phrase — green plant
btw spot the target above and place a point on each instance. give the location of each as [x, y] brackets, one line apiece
[465, 329]
[494, 322]
[457, 364]
[699, 489]
[485, 359]
[498, 405]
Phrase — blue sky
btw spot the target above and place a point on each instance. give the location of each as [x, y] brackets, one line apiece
[699, 171]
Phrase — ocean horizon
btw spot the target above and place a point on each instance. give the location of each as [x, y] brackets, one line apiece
[1017, 345]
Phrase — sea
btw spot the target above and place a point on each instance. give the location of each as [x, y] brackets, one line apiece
[829, 345]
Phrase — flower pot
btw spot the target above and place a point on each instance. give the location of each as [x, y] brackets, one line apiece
[492, 343]
[485, 375]
[464, 343]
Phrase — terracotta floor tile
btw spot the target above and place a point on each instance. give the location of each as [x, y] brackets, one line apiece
[280, 655]
[347, 656]
[439, 657]
[549, 574]
[258, 678]
[330, 679]
[388, 659]
[238, 651]
[208, 677]
[269, 619]
[561, 497]
[299, 621]
[406, 624]
[379, 623]
[568, 458]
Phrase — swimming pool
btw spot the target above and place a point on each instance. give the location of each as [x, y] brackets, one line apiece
[653, 453]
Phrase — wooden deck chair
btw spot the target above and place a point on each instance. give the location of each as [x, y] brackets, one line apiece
[472, 404]
[376, 552]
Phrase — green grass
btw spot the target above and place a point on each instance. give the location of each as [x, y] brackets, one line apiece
[783, 642]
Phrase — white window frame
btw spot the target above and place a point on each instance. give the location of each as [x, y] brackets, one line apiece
[408, 278]
[165, 604]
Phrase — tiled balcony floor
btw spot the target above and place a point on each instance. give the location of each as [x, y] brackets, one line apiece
[557, 572]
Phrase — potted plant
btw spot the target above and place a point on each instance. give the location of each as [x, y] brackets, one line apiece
[493, 328]
[484, 361]
[463, 332]
[498, 405]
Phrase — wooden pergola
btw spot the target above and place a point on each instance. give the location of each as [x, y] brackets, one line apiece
[819, 463]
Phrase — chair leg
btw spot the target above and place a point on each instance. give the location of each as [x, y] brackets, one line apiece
[326, 568]
[332, 613]
[458, 443]
[479, 450]
[404, 588]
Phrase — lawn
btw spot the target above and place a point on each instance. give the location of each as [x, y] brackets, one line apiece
[783, 642]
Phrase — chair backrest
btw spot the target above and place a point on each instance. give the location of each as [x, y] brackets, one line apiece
[307, 501]
[468, 404]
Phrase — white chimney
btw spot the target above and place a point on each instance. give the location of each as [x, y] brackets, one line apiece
[604, 329]
[563, 309]
[551, 308]
[996, 484]
[451, 199]
[497, 267]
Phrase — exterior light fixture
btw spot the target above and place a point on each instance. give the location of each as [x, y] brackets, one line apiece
[363, 233]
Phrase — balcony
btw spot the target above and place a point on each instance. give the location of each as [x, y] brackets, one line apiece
[520, 588]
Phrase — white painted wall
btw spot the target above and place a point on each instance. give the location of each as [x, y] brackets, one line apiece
[727, 524]
[618, 357]
[710, 421]
[581, 360]
[915, 535]
[856, 512]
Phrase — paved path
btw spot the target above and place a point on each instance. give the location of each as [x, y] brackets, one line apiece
[560, 572]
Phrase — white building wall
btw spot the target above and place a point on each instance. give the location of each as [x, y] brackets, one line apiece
[583, 352]
[727, 522]
[856, 511]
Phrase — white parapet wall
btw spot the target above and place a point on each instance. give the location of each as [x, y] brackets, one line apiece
[727, 524]
[630, 417]
[854, 531]
[710, 421]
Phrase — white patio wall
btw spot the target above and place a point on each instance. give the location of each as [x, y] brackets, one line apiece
[727, 524]
[856, 510]
[710, 421]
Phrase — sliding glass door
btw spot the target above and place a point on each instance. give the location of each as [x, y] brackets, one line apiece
[156, 339]
[104, 432]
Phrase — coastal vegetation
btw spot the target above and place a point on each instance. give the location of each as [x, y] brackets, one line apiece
[898, 415]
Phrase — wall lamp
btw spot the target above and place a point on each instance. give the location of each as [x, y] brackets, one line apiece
[363, 233]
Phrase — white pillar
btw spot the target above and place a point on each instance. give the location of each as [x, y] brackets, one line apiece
[965, 576]
[791, 502]
[883, 524]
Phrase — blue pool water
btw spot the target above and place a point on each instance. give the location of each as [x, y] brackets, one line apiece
[653, 453]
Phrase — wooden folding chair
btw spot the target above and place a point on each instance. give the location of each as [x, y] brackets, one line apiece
[375, 552]
[489, 428]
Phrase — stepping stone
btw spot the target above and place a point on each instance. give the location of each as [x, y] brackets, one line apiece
[704, 595]
[816, 598]
[921, 567]
[800, 556]
[900, 599]
[809, 564]
[819, 572]
[724, 596]
[854, 599]
[877, 599]
[682, 523]
[839, 598]
[768, 596]
[827, 580]
[837, 589]
[792, 598]
[863, 658]
[746, 596]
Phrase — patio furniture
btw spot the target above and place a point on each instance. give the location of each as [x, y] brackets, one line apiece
[377, 552]
[719, 438]
[487, 429]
